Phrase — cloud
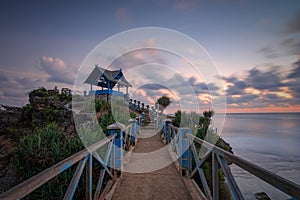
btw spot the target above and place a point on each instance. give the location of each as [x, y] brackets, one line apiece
[293, 25]
[268, 52]
[140, 57]
[16, 84]
[292, 45]
[182, 5]
[152, 86]
[259, 88]
[295, 72]
[265, 22]
[263, 80]
[57, 70]
[3, 78]
[187, 92]
[123, 16]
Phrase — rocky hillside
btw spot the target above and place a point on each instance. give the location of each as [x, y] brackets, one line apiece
[45, 106]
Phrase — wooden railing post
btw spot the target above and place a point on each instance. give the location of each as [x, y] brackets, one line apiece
[117, 149]
[184, 153]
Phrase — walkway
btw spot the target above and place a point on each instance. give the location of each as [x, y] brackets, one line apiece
[149, 172]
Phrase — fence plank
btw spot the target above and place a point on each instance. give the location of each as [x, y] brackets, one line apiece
[102, 173]
[204, 184]
[41, 178]
[74, 182]
[198, 162]
[215, 177]
[88, 179]
[273, 179]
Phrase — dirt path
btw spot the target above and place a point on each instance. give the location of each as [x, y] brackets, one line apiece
[150, 172]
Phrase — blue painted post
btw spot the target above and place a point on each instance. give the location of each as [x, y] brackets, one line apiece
[130, 103]
[143, 118]
[133, 132]
[155, 119]
[184, 153]
[159, 123]
[135, 104]
[143, 106]
[117, 149]
[166, 130]
[138, 105]
[138, 124]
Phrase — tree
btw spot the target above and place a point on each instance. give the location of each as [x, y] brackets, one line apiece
[163, 102]
[204, 122]
[208, 114]
[177, 119]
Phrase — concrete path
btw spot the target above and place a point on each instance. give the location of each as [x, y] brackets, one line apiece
[149, 172]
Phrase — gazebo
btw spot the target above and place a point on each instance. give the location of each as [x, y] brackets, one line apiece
[107, 80]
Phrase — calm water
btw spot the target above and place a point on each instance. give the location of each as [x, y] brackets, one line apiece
[268, 140]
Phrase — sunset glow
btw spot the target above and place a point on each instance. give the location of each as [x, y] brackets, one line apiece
[256, 56]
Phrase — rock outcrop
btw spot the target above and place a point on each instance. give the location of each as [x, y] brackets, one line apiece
[44, 106]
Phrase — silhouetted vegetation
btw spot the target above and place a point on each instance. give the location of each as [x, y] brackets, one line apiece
[164, 102]
[42, 149]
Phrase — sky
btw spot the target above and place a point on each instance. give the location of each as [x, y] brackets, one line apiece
[255, 46]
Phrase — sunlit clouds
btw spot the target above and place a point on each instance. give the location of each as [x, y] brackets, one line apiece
[251, 57]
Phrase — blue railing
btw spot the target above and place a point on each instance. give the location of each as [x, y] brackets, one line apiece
[182, 143]
[101, 92]
[120, 138]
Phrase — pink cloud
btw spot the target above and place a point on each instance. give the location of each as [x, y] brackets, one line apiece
[185, 5]
[123, 16]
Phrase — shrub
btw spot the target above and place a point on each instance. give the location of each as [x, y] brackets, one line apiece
[101, 105]
[107, 119]
[164, 102]
[132, 115]
[41, 92]
[41, 150]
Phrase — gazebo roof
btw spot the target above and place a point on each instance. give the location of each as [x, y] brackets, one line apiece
[99, 76]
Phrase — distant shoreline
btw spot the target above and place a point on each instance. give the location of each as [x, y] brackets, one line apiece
[261, 113]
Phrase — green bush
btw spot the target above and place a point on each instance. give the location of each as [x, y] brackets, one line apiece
[65, 97]
[132, 115]
[101, 105]
[184, 119]
[91, 134]
[41, 92]
[41, 150]
[106, 120]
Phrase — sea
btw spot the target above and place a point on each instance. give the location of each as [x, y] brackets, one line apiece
[270, 140]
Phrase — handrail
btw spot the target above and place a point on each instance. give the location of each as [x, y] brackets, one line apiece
[41, 178]
[221, 158]
[273, 179]
[174, 127]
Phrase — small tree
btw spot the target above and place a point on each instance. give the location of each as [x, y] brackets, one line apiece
[164, 102]
[204, 122]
